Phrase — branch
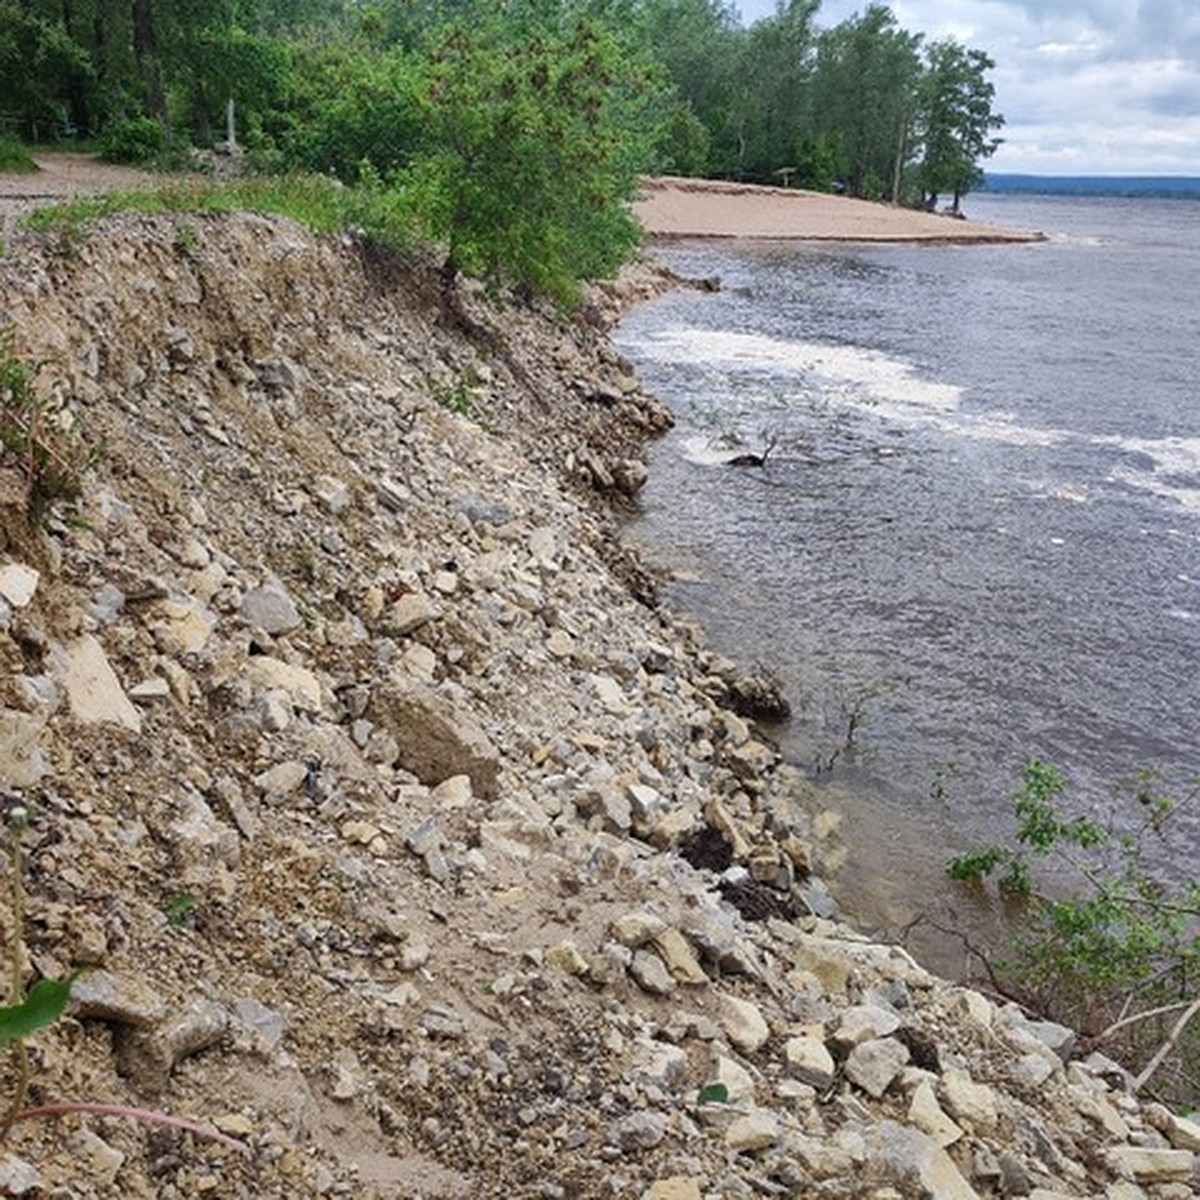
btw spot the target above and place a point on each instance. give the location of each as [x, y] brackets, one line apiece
[1150, 1013]
[1167, 1046]
[149, 1115]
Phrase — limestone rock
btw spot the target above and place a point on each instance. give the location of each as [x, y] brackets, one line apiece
[742, 1022]
[679, 958]
[677, 1187]
[438, 737]
[22, 761]
[650, 973]
[809, 1060]
[1146, 1164]
[18, 583]
[640, 1130]
[971, 1104]
[916, 1163]
[299, 683]
[873, 1065]
[94, 694]
[926, 1114]
[270, 608]
[410, 612]
[754, 1131]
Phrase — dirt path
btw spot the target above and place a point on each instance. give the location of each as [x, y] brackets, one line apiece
[63, 177]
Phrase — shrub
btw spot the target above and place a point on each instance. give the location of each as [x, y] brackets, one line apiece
[14, 157]
[1108, 946]
[136, 140]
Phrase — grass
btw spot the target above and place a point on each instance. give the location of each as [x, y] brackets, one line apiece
[321, 205]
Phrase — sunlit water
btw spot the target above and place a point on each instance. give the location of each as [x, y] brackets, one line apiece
[979, 525]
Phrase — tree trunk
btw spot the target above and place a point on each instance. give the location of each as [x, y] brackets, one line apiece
[145, 49]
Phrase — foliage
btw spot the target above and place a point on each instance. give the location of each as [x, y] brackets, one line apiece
[137, 140]
[15, 158]
[39, 437]
[1107, 936]
[530, 149]
[956, 120]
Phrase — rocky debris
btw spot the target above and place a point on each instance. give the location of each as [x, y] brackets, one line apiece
[390, 827]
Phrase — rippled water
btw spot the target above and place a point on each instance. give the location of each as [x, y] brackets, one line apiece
[980, 523]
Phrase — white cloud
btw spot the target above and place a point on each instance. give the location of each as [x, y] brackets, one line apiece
[1085, 86]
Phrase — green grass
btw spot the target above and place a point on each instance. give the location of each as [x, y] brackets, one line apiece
[320, 204]
[15, 158]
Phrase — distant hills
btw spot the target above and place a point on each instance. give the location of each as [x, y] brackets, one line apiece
[1182, 187]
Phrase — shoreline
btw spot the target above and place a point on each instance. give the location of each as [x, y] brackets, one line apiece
[460, 816]
[671, 208]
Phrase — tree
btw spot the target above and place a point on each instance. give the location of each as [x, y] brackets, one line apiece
[532, 140]
[865, 86]
[956, 120]
[699, 43]
[774, 105]
[40, 64]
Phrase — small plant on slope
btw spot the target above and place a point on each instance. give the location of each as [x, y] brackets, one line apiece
[39, 438]
[1111, 948]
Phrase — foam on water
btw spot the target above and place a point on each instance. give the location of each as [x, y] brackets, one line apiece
[850, 372]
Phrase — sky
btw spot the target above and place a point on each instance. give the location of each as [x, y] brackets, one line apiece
[1086, 87]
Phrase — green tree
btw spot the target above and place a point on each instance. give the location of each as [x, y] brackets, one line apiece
[531, 148]
[774, 102]
[699, 43]
[40, 66]
[865, 86]
[957, 122]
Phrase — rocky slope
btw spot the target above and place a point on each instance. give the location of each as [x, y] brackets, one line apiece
[391, 826]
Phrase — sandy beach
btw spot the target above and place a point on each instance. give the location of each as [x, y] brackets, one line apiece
[672, 207]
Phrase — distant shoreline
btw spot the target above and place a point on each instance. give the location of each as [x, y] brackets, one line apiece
[674, 207]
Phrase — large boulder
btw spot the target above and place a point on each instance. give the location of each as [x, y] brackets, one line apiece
[438, 737]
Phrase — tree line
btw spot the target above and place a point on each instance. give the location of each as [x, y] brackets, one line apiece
[512, 130]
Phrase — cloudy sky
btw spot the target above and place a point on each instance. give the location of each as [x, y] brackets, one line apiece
[1085, 86]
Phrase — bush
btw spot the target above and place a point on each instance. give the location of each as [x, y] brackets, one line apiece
[14, 156]
[1109, 946]
[139, 141]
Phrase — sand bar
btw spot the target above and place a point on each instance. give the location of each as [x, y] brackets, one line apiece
[672, 207]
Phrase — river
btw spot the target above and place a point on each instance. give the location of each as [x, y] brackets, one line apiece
[976, 537]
